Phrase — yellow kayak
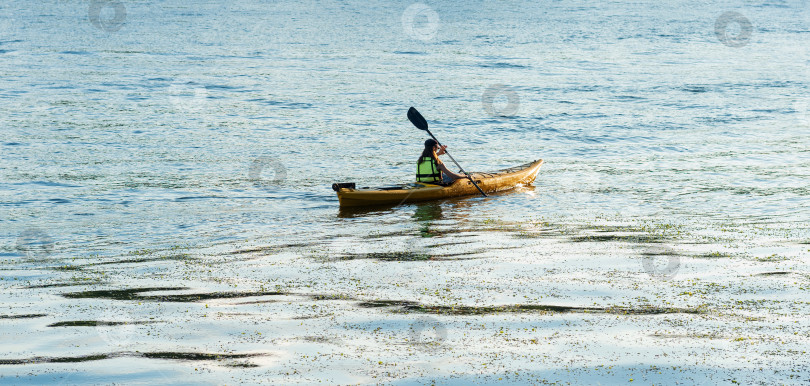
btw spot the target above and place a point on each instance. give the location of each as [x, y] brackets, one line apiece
[505, 179]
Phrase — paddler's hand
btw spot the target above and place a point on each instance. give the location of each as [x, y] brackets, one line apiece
[442, 150]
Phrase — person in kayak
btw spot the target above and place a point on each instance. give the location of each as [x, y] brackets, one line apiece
[429, 169]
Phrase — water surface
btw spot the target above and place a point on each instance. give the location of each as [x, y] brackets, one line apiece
[167, 214]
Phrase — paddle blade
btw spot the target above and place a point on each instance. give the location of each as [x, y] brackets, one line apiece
[417, 119]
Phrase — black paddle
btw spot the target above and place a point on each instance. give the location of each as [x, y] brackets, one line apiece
[419, 121]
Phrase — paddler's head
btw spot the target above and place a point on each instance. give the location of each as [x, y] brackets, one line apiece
[430, 150]
[431, 144]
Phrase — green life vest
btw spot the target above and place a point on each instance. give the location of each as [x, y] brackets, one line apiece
[428, 171]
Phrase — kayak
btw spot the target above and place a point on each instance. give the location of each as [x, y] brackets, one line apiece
[506, 179]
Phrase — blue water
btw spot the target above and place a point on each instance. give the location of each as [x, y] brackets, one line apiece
[109, 134]
[132, 126]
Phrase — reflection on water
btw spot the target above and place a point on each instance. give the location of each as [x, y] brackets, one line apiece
[366, 212]
[425, 214]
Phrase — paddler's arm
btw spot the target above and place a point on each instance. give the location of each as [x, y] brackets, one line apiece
[443, 150]
[447, 171]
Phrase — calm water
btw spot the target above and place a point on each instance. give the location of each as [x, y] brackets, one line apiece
[134, 131]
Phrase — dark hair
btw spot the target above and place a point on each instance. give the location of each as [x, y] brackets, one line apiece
[428, 152]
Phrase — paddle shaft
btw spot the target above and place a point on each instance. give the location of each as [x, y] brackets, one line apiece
[454, 161]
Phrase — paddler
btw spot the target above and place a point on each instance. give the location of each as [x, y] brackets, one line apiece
[430, 169]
